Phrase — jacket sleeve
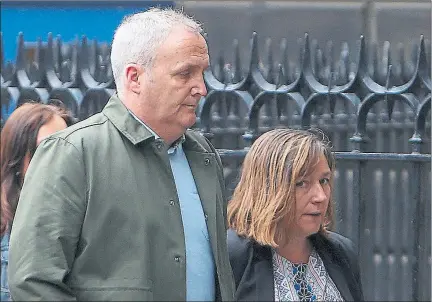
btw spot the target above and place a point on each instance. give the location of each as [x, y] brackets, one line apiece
[47, 223]
[239, 250]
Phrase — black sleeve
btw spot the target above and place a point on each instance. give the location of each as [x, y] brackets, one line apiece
[238, 249]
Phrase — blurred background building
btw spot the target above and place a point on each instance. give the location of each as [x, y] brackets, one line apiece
[396, 21]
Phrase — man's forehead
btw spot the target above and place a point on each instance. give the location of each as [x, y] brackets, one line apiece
[186, 38]
[186, 48]
[192, 61]
[183, 47]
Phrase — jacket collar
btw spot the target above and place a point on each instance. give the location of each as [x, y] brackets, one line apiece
[192, 144]
[135, 131]
[121, 118]
[173, 146]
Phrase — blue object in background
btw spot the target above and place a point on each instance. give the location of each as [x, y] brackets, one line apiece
[35, 19]
[97, 20]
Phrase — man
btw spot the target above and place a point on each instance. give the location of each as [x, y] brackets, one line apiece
[129, 204]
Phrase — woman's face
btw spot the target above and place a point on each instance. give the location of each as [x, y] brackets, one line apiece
[56, 123]
[312, 199]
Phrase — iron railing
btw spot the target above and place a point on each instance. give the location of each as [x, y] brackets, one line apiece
[375, 109]
[363, 96]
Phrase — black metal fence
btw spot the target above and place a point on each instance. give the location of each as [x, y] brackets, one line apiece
[364, 100]
[374, 105]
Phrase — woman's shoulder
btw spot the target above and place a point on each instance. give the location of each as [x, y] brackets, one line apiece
[336, 245]
[239, 251]
[341, 241]
[237, 244]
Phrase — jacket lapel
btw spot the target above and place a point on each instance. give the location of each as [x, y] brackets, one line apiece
[337, 275]
[264, 272]
[332, 261]
[203, 166]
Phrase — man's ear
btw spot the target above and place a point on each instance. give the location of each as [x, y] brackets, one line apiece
[132, 82]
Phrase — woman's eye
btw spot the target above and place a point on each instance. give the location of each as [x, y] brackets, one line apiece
[324, 181]
[301, 183]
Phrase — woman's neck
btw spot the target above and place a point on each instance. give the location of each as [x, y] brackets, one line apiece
[297, 250]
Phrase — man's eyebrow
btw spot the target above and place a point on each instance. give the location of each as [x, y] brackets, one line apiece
[189, 65]
[185, 66]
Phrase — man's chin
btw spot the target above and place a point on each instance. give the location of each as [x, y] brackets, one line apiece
[189, 123]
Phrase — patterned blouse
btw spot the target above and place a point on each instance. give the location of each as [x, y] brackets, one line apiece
[304, 281]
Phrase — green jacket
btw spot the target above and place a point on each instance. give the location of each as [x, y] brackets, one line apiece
[99, 217]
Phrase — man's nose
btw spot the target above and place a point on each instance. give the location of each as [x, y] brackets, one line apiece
[199, 88]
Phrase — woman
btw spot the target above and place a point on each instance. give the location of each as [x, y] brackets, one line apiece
[26, 127]
[279, 244]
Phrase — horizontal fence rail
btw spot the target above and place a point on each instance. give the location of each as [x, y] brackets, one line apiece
[364, 100]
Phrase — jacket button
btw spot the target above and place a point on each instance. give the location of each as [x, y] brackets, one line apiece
[206, 217]
[159, 144]
[171, 202]
[207, 161]
[177, 259]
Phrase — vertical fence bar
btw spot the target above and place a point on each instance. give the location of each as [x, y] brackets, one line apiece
[418, 219]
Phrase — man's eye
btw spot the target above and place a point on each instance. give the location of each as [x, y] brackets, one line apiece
[185, 73]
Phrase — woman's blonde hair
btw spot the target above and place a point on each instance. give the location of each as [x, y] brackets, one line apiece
[265, 194]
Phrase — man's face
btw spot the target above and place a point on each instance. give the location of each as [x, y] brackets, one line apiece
[175, 83]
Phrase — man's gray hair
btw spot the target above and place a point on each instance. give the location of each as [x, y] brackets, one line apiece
[139, 35]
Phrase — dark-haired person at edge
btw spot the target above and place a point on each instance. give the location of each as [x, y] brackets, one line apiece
[279, 241]
[23, 131]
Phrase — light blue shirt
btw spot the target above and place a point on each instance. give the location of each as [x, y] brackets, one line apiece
[200, 267]
[5, 294]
